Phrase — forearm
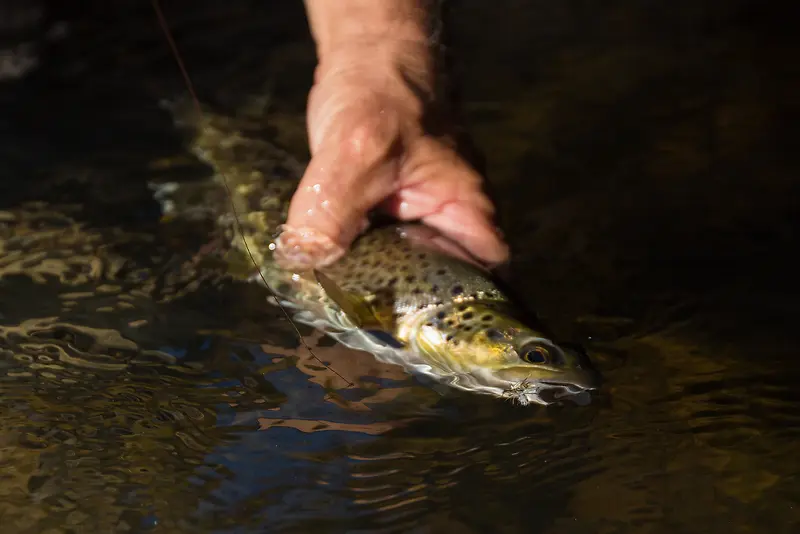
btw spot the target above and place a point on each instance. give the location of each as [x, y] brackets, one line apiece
[378, 33]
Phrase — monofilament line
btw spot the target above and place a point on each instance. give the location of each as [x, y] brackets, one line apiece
[190, 87]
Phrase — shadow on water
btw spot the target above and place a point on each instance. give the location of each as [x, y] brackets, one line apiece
[644, 174]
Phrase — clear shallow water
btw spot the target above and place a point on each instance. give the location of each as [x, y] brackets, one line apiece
[641, 168]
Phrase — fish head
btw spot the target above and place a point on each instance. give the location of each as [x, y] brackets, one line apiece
[485, 347]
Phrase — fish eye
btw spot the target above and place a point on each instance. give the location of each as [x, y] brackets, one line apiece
[534, 354]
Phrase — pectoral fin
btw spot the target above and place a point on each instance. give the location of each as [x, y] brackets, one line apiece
[357, 309]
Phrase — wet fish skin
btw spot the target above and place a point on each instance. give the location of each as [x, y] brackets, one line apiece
[450, 313]
[451, 321]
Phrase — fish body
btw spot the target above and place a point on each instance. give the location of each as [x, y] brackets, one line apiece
[402, 292]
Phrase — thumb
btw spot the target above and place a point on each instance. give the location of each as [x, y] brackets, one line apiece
[347, 176]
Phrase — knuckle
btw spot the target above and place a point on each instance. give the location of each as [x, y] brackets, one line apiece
[361, 126]
[369, 136]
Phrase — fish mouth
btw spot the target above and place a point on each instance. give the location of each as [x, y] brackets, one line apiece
[546, 392]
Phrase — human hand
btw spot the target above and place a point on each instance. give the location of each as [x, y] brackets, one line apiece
[369, 149]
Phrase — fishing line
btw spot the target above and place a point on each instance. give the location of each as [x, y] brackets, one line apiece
[190, 87]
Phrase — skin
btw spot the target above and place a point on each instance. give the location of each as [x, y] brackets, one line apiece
[374, 77]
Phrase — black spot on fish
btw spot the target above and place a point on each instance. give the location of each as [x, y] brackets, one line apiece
[461, 307]
[449, 337]
[434, 288]
[416, 291]
[410, 278]
[494, 334]
[467, 329]
[487, 318]
[457, 290]
[467, 316]
[449, 323]
[392, 281]
[425, 264]
[440, 315]
[441, 272]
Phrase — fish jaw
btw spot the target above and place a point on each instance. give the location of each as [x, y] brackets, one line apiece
[521, 387]
[521, 392]
[546, 393]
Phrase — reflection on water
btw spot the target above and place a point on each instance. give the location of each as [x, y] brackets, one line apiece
[140, 392]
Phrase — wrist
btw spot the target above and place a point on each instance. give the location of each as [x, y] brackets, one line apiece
[341, 23]
[383, 67]
[380, 41]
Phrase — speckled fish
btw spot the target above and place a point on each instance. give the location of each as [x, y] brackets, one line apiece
[443, 315]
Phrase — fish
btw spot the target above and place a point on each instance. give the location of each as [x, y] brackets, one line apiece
[402, 292]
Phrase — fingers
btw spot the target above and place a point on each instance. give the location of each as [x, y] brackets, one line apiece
[439, 188]
[472, 229]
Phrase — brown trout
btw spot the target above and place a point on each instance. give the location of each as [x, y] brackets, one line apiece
[402, 292]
